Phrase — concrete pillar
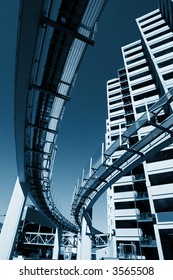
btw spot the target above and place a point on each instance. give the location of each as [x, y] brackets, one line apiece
[79, 247]
[85, 241]
[57, 244]
[159, 245]
[113, 247]
[12, 221]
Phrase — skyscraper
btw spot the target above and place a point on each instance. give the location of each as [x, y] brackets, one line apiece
[140, 205]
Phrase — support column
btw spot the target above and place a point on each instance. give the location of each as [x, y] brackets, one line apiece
[159, 245]
[57, 244]
[79, 247]
[12, 221]
[85, 241]
[113, 247]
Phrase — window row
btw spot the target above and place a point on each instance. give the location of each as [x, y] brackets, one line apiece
[163, 52]
[155, 28]
[140, 75]
[114, 94]
[161, 33]
[115, 102]
[162, 42]
[135, 59]
[149, 17]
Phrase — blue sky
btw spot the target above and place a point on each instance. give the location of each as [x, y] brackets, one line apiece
[83, 126]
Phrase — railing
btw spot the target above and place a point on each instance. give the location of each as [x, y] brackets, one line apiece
[138, 177]
[141, 195]
[145, 217]
[38, 238]
[128, 112]
[100, 240]
[147, 241]
[127, 251]
[125, 93]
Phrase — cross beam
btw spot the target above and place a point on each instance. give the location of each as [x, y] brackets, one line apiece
[162, 128]
[68, 31]
[50, 92]
[42, 128]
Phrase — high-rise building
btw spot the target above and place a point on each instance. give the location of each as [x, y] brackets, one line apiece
[140, 204]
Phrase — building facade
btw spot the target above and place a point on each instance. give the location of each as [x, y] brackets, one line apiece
[140, 205]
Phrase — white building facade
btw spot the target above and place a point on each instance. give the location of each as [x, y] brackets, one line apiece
[140, 205]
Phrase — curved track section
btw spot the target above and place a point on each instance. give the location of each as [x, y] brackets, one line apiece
[51, 43]
[103, 174]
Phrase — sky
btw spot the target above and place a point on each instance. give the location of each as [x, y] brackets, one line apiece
[84, 123]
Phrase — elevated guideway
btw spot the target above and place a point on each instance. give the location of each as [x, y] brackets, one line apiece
[52, 40]
[102, 174]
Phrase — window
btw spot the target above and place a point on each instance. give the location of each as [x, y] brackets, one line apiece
[132, 47]
[155, 28]
[116, 118]
[113, 138]
[126, 223]
[162, 42]
[140, 109]
[122, 72]
[116, 109]
[161, 178]
[114, 95]
[168, 76]
[162, 155]
[134, 53]
[145, 95]
[113, 82]
[124, 188]
[125, 205]
[144, 84]
[114, 88]
[115, 102]
[137, 67]
[140, 75]
[158, 35]
[165, 63]
[143, 108]
[117, 126]
[165, 51]
[135, 60]
[149, 17]
[163, 205]
[151, 22]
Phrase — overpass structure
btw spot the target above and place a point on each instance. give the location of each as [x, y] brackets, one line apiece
[51, 42]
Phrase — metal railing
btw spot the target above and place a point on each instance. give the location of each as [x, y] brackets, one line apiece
[145, 217]
[147, 241]
[38, 238]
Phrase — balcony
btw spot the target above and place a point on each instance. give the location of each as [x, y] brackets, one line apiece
[139, 177]
[124, 87]
[145, 217]
[127, 102]
[141, 196]
[121, 72]
[122, 80]
[147, 241]
[128, 112]
[128, 123]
